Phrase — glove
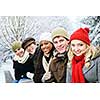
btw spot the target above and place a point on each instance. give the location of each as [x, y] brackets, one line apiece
[30, 75]
[46, 76]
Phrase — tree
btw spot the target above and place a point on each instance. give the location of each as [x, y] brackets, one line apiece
[19, 27]
[94, 24]
[13, 28]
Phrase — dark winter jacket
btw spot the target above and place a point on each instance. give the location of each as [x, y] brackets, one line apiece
[58, 68]
[22, 69]
[39, 69]
[28, 66]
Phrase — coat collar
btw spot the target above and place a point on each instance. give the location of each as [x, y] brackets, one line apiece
[86, 69]
[23, 59]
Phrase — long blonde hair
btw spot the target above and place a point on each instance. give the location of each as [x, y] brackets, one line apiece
[89, 54]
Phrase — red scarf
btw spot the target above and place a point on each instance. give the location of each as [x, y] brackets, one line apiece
[77, 65]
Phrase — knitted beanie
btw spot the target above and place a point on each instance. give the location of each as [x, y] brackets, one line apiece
[28, 41]
[81, 34]
[16, 45]
[45, 36]
[60, 31]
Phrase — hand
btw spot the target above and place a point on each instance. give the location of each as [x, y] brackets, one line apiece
[30, 75]
[46, 76]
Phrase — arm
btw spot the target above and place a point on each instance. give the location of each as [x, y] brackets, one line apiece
[52, 79]
[98, 66]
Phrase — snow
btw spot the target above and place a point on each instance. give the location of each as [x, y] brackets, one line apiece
[34, 26]
[8, 66]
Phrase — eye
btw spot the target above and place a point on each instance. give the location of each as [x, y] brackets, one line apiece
[72, 45]
[55, 42]
[46, 43]
[80, 44]
[18, 49]
[15, 51]
[61, 40]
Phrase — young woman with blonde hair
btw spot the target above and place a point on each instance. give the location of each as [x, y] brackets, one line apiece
[84, 59]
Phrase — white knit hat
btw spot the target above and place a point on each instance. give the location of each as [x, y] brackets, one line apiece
[45, 36]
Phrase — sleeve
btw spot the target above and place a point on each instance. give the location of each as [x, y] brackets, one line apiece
[38, 68]
[68, 75]
[52, 79]
[98, 66]
[14, 64]
[38, 75]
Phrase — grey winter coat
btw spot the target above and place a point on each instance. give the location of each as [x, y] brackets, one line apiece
[91, 74]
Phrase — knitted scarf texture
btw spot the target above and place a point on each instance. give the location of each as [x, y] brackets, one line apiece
[77, 65]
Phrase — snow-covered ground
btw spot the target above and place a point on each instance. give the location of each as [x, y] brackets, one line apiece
[8, 66]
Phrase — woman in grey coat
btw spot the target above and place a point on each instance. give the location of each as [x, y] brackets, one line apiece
[84, 59]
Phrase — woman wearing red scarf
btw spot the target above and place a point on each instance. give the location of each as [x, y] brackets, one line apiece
[84, 59]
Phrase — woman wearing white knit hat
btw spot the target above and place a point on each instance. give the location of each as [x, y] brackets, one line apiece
[44, 58]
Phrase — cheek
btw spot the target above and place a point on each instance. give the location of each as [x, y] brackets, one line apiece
[30, 47]
[65, 44]
[42, 48]
[17, 53]
[55, 45]
[49, 49]
[83, 48]
[72, 48]
[50, 46]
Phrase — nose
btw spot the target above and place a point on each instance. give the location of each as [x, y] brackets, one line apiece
[76, 48]
[58, 44]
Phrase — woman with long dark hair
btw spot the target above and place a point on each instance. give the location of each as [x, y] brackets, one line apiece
[44, 58]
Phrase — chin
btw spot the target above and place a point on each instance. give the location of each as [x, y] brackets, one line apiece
[78, 54]
[61, 51]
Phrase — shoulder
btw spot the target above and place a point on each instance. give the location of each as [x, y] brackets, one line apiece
[96, 60]
[38, 52]
[55, 60]
[97, 53]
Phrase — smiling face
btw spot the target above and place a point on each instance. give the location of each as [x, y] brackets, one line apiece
[60, 44]
[31, 48]
[19, 52]
[46, 46]
[78, 47]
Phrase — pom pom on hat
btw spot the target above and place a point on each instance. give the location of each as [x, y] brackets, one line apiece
[45, 36]
[81, 34]
[16, 45]
[60, 31]
[87, 29]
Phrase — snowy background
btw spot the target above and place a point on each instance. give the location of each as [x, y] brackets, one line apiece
[20, 27]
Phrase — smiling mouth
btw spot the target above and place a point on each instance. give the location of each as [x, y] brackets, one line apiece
[77, 52]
